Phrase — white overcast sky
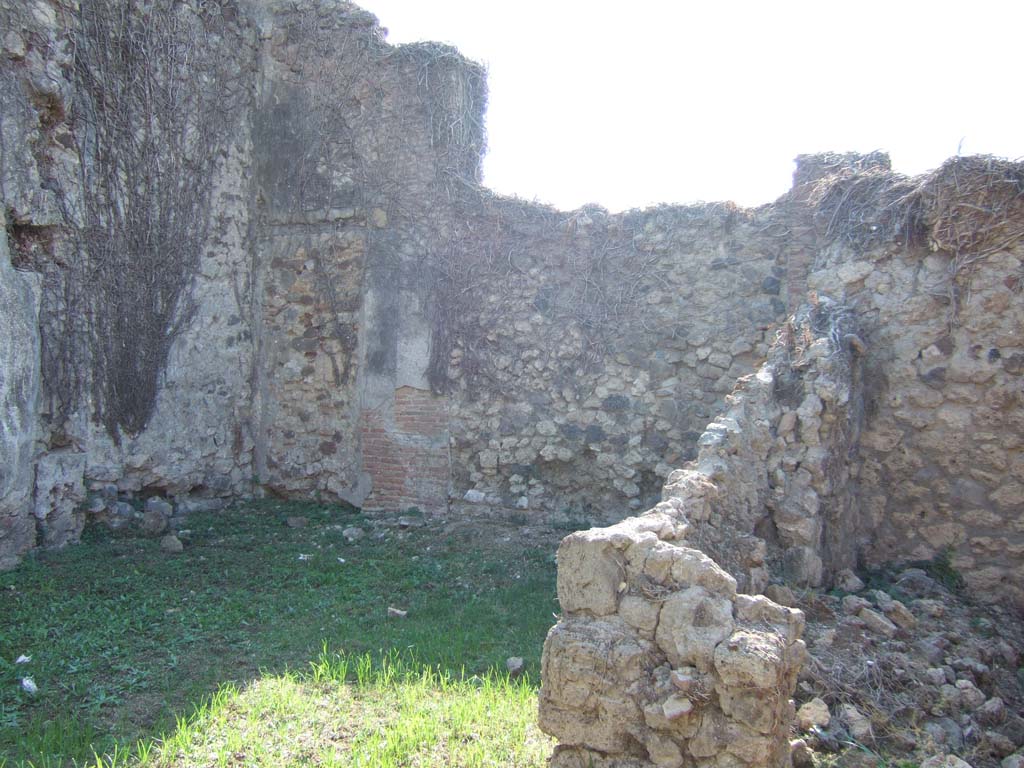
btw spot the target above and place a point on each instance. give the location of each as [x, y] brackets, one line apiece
[632, 104]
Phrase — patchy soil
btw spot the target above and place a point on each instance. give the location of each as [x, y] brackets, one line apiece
[909, 668]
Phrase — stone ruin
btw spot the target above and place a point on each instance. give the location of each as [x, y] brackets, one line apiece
[659, 657]
[339, 310]
[658, 661]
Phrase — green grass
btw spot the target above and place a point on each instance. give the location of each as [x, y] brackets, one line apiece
[137, 654]
[357, 711]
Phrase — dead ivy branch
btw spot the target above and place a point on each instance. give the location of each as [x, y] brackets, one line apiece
[969, 208]
[157, 87]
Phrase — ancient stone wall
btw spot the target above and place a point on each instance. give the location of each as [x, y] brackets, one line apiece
[943, 322]
[586, 351]
[311, 247]
[196, 437]
[199, 438]
[366, 323]
[358, 146]
[27, 81]
[19, 393]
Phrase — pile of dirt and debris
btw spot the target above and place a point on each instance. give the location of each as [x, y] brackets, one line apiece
[909, 667]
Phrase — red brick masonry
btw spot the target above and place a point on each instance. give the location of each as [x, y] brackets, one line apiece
[405, 452]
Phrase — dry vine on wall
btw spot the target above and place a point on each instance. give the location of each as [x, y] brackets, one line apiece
[969, 208]
[156, 89]
[591, 288]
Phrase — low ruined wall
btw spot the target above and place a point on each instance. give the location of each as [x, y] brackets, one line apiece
[657, 661]
[912, 452]
[772, 492]
[658, 657]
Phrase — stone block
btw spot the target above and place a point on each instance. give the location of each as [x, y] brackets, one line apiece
[691, 625]
[60, 496]
[590, 573]
[588, 667]
[750, 659]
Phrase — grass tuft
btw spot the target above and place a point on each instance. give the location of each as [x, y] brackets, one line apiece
[941, 569]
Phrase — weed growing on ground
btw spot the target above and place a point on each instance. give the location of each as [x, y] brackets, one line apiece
[129, 643]
[941, 569]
